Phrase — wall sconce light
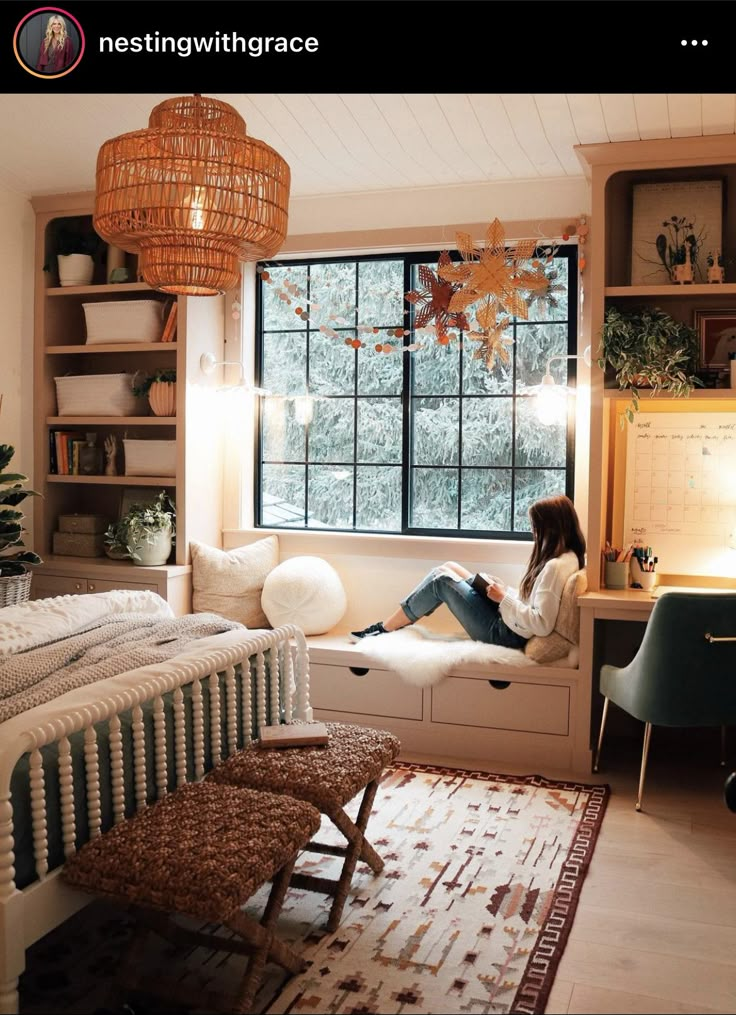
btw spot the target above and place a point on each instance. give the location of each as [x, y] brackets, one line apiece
[208, 363]
[551, 396]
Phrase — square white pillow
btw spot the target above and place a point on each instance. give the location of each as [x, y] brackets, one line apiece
[230, 582]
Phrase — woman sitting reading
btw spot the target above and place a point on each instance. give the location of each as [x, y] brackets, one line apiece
[486, 608]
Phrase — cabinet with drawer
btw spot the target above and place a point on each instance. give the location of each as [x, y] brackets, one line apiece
[502, 705]
[362, 691]
[71, 576]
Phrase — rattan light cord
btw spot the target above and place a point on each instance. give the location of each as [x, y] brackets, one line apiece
[192, 195]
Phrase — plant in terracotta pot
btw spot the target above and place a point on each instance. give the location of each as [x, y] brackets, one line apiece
[147, 530]
[647, 348]
[161, 390]
[15, 579]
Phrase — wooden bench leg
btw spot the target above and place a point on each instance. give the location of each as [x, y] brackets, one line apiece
[357, 848]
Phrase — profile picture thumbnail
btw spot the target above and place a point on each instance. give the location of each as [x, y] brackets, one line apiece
[48, 42]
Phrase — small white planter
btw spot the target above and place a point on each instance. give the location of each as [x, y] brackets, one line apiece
[75, 269]
[154, 553]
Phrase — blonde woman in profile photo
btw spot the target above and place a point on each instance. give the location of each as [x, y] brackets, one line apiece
[57, 49]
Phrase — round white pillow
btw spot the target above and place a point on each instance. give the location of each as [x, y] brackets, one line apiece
[305, 591]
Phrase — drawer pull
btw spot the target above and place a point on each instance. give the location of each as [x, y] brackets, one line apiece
[500, 685]
[91, 586]
[359, 671]
[78, 586]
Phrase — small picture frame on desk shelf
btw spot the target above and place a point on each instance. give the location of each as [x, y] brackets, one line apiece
[674, 226]
[717, 332]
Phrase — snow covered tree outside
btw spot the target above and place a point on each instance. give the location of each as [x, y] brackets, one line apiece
[334, 452]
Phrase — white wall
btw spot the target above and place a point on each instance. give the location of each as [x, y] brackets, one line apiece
[16, 329]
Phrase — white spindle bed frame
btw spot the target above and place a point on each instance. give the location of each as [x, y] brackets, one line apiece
[28, 914]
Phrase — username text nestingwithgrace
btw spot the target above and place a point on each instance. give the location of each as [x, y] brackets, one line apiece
[218, 42]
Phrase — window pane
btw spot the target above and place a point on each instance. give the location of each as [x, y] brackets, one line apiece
[331, 430]
[331, 365]
[478, 379]
[282, 495]
[487, 431]
[535, 344]
[378, 502]
[531, 485]
[537, 444]
[486, 503]
[332, 295]
[434, 499]
[283, 435]
[381, 293]
[379, 430]
[330, 497]
[435, 431]
[285, 363]
[279, 306]
[436, 368]
[379, 373]
[558, 272]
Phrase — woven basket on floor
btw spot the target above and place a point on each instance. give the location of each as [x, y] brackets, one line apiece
[15, 589]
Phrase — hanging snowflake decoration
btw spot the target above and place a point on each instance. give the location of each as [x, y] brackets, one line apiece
[435, 298]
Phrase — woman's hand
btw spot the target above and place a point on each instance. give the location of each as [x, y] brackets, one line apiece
[496, 590]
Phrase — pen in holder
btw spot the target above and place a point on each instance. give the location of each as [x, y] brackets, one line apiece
[647, 579]
[617, 574]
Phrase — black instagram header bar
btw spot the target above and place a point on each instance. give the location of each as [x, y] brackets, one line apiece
[366, 46]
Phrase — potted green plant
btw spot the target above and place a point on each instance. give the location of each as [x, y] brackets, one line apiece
[647, 348]
[146, 530]
[161, 390]
[78, 248]
[15, 578]
[116, 541]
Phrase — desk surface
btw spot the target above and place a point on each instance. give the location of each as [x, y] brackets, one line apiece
[633, 601]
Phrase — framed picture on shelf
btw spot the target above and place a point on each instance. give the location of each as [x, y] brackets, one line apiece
[717, 332]
[675, 226]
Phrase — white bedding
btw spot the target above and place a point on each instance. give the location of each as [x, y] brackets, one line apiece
[37, 623]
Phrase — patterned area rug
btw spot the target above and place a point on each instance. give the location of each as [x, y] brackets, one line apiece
[471, 914]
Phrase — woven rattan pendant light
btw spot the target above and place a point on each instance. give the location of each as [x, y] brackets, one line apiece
[192, 195]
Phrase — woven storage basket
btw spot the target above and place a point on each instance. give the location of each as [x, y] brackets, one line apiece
[124, 321]
[98, 395]
[15, 589]
[150, 458]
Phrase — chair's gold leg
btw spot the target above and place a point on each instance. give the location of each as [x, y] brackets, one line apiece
[597, 758]
[723, 746]
[644, 757]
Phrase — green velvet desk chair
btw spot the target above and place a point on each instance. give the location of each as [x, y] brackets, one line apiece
[684, 673]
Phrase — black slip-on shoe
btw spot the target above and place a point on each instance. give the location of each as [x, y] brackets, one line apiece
[368, 632]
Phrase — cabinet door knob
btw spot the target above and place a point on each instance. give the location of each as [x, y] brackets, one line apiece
[359, 671]
[91, 586]
[78, 586]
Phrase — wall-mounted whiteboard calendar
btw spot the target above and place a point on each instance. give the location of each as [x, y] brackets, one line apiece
[681, 489]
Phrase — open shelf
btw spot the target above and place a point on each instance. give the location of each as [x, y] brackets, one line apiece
[66, 350]
[95, 290]
[111, 420]
[645, 393]
[116, 480]
[664, 291]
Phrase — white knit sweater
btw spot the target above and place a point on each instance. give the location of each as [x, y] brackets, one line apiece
[539, 614]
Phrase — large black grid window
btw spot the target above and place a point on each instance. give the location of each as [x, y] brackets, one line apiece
[421, 442]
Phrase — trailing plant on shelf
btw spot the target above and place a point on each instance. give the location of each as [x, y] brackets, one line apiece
[13, 566]
[647, 348]
[146, 531]
[143, 385]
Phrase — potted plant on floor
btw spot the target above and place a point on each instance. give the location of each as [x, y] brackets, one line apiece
[15, 578]
[647, 348]
[161, 390]
[147, 530]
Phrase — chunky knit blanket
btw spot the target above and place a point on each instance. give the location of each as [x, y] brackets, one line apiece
[108, 646]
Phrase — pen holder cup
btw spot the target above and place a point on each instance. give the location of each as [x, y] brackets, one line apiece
[617, 574]
[647, 579]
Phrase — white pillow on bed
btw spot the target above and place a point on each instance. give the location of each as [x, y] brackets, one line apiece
[305, 591]
[229, 582]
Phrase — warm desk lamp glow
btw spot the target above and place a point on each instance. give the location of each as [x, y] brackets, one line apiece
[552, 397]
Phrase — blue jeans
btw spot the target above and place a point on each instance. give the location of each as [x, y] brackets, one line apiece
[478, 614]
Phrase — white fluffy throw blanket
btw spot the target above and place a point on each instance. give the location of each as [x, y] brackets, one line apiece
[422, 658]
[46, 620]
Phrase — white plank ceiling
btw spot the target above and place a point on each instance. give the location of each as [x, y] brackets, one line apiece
[349, 143]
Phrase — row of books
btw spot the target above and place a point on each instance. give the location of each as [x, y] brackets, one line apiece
[74, 454]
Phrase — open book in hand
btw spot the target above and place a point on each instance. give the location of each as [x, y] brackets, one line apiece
[307, 734]
[480, 584]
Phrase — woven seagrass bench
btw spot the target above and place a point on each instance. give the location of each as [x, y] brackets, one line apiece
[202, 851]
[328, 777]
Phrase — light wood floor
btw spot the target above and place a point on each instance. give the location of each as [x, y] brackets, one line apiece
[655, 930]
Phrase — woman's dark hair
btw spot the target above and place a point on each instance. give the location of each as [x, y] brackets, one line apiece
[556, 529]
